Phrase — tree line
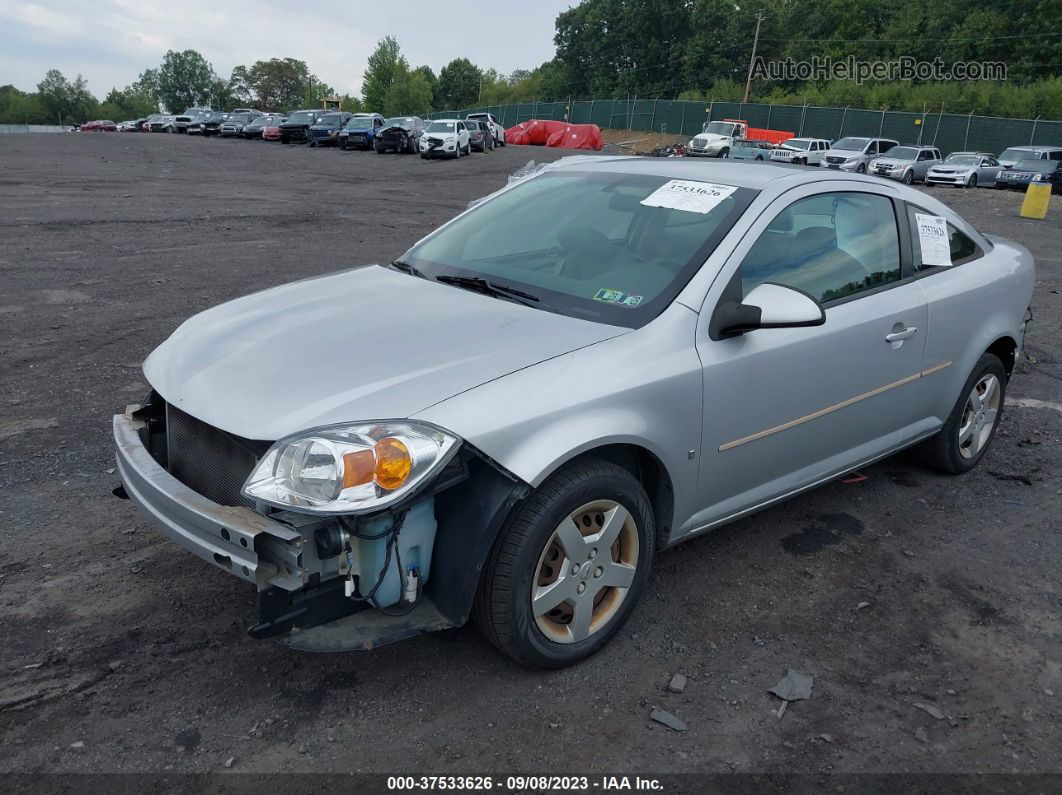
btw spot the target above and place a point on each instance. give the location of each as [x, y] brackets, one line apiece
[691, 49]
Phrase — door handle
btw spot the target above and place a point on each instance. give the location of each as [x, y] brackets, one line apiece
[902, 334]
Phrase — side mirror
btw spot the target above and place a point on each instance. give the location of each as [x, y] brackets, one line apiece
[769, 305]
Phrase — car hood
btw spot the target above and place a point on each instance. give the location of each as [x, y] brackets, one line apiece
[362, 344]
[710, 137]
[892, 161]
[844, 152]
[951, 168]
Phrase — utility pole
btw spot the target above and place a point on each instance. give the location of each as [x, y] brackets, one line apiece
[752, 60]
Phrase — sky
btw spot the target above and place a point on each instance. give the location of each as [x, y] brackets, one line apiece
[111, 42]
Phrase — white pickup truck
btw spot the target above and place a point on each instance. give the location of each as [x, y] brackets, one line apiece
[801, 151]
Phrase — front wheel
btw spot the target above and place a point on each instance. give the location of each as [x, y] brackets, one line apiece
[724, 153]
[973, 181]
[908, 177]
[971, 426]
[569, 567]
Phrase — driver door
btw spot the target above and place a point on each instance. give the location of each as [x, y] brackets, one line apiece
[787, 408]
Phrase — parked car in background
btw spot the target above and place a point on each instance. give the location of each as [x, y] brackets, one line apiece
[254, 128]
[140, 125]
[480, 136]
[211, 125]
[445, 138]
[496, 126]
[293, 128]
[237, 120]
[128, 126]
[360, 131]
[192, 116]
[160, 123]
[399, 134]
[801, 151]
[1025, 171]
[717, 137]
[325, 131]
[743, 149]
[772, 334]
[907, 164]
[965, 169]
[855, 154]
[101, 125]
[1012, 156]
[271, 132]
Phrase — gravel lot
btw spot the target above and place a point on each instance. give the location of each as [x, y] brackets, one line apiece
[123, 653]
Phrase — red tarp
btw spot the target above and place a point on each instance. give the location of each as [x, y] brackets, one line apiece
[534, 131]
[577, 136]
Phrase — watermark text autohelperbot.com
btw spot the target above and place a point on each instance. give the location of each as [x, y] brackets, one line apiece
[904, 68]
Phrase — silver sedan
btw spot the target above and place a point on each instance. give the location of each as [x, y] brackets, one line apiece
[597, 362]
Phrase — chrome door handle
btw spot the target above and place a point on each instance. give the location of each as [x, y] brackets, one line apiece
[904, 334]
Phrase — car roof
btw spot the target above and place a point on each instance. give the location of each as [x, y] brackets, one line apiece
[741, 175]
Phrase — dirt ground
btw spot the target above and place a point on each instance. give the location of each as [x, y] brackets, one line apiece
[122, 653]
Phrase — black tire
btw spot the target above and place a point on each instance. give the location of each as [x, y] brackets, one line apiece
[285, 141]
[423, 156]
[861, 168]
[492, 143]
[942, 451]
[379, 149]
[908, 177]
[503, 606]
[724, 152]
[973, 181]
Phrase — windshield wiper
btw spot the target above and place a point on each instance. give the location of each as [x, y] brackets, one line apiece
[481, 285]
[405, 267]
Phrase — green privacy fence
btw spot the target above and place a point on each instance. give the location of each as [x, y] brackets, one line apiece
[949, 131]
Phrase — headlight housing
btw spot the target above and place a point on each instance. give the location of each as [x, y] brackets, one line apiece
[354, 468]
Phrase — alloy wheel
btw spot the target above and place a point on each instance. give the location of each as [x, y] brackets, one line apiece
[585, 571]
[979, 416]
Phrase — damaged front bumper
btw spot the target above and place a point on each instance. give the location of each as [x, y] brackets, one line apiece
[236, 539]
[303, 590]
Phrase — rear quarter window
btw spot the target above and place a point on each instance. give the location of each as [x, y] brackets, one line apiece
[963, 249]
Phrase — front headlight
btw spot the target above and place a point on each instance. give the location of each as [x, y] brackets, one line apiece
[350, 468]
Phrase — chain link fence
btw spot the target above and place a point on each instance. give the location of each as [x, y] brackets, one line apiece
[949, 132]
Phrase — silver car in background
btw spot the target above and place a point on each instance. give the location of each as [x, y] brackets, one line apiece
[965, 169]
[854, 154]
[595, 363]
[905, 163]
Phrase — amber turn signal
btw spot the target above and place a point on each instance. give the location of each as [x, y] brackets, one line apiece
[393, 463]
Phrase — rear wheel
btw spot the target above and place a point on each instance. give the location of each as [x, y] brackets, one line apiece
[971, 426]
[861, 168]
[569, 567]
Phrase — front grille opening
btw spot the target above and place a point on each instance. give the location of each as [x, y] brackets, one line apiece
[209, 460]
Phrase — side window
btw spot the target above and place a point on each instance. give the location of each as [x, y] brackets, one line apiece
[963, 249]
[886, 146]
[872, 148]
[1056, 155]
[831, 246]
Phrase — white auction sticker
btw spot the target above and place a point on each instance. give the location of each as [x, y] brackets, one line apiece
[688, 195]
[933, 239]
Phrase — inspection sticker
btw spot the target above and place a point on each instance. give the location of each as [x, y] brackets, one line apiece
[688, 195]
[933, 239]
[610, 296]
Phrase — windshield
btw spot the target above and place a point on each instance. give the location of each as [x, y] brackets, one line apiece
[796, 143]
[853, 144]
[238, 117]
[400, 121]
[302, 117]
[330, 120]
[962, 160]
[359, 123]
[1034, 165]
[441, 126]
[719, 127]
[588, 245]
[1017, 154]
